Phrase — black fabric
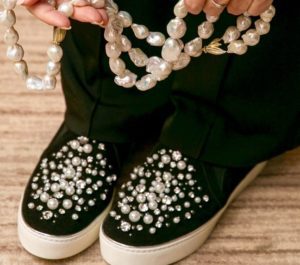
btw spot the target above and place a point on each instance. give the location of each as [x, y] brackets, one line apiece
[228, 110]
[216, 182]
[64, 225]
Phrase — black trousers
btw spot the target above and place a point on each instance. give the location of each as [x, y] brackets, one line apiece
[229, 110]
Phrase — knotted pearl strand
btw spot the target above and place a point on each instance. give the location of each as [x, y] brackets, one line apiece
[175, 55]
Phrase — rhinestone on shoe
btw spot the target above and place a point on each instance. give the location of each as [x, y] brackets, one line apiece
[165, 199]
[58, 187]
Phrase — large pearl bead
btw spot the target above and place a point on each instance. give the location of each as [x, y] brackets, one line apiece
[237, 47]
[268, 15]
[55, 53]
[138, 57]
[147, 82]
[21, 68]
[52, 68]
[15, 53]
[251, 37]
[125, 18]
[243, 22]
[11, 36]
[34, 83]
[9, 4]
[117, 66]
[205, 30]
[127, 80]
[171, 50]
[176, 28]
[7, 18]
[180, 10]
[52, 204]
[140, 31]
[262, 27]
[113, 50]
[158, 67]
[125, 43]
[49, 82]
[231, 34]
[194, 47]
[156, 39]
[67, 204]
[134, 216]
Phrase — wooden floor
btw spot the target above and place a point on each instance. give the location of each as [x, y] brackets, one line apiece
[262, 227]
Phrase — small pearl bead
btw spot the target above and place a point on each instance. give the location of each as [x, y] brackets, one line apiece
[67, 204]
[44, 197]
[52, 204]
[134, 216]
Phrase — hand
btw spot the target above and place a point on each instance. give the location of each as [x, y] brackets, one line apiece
[235, 7]
[83, 12]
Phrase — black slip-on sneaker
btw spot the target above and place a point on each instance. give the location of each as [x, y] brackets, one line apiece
[68, 195]
[168, 208]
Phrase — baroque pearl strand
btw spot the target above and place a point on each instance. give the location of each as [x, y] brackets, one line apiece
[175, 55]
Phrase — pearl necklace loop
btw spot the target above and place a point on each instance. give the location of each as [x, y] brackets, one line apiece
[175, 54]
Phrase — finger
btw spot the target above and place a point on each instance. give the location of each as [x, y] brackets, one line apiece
[27, 2]
[87, 14]
[194, 6]
[259, 6]
[104, 16]
[49, 15]
[238, 7]
[215, 7]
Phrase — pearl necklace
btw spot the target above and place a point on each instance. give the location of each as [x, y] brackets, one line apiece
[175, 54]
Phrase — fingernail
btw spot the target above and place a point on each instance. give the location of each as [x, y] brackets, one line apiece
[101, 24]
[20, 2]
[66, 28]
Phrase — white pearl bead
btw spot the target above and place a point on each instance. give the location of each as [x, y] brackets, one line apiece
[66, 8]
[148, 219]
[44, 197]
[134, 216]
[262, 27]
[205, 30]
[67, 204]
[21, 68]
[9, 4]
[180, 10]
[117, 66]
[7, 18]
[49, 82]
[171, 50]
[125, 18]
[70, 190]
[52, 204]
[147, 82]
[251, 37]
[110, 34]
[55, 187]
[182, 62]
[113, 50]
[87, 148]
[125, 43]
[243, 22]
[55, 53]
[140, 31]
[125, 209]
[15, 53]
[34, 83]
[138, 57]
[156, 39]
[237, 47]
[176, 28]
[11, 36]
[231, 34]
[52, 68]
[194, 47]
[268, 15]
[158, 67]
[127, 80]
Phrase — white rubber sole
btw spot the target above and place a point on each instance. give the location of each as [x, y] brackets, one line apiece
[58, 247]
[118, 254]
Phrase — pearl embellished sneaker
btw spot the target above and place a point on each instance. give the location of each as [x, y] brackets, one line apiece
[168, 208]
[67, 196]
